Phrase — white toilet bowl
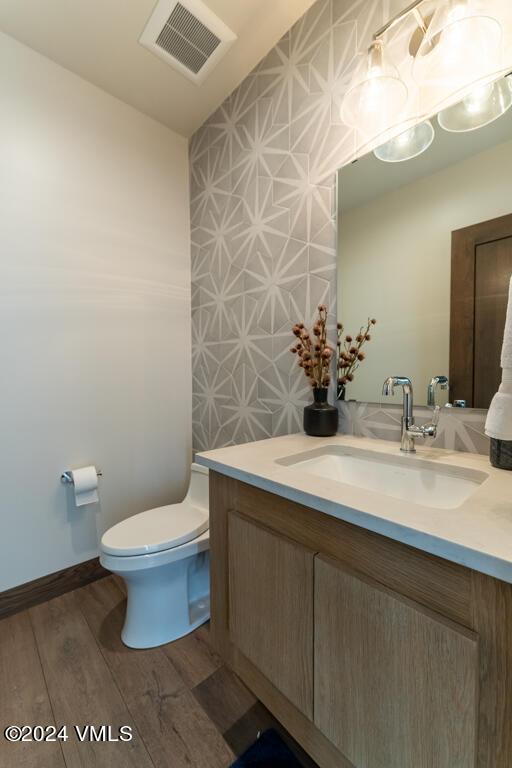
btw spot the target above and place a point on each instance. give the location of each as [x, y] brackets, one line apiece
[163, 556]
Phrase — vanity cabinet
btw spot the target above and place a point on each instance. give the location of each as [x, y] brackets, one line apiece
[395, 684]
[271, 608]
[372, 654]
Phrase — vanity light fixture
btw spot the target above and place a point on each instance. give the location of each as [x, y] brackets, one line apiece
[459, 43]
[480, 107]
[408, 144]
[377, 93]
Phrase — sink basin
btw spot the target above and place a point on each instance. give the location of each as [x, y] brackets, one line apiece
[410, 478]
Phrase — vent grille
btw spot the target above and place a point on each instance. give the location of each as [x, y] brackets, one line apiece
[188, 36]
[187, 39]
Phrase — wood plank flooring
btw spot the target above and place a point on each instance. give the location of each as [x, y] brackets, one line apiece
[63, 663]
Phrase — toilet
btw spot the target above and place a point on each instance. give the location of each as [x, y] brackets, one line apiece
[163, 556]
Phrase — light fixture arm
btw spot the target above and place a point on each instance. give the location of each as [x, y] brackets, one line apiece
[414, 9]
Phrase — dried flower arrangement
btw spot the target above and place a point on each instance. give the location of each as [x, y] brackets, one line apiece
[350, 354]
[314, 354]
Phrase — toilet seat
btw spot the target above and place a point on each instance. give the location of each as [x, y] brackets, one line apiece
[161, 528]
[146, 562]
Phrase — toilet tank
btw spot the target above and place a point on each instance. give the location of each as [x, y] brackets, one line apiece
[197, 492]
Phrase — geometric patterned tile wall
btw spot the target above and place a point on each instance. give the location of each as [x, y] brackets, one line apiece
[263, 229]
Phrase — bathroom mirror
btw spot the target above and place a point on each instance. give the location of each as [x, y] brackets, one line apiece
[425, 247]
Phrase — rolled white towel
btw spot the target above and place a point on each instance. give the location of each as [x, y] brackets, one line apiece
[499, 418]
[506, 381]
[506, 350]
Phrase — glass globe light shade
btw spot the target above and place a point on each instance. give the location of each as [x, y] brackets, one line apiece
[481, 106]
[377, 95]
[407, 145]
[463, 44]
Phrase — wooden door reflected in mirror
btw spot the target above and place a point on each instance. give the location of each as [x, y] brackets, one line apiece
[481, 271]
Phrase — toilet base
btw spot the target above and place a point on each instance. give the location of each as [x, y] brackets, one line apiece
[167, 602]
[133, 640]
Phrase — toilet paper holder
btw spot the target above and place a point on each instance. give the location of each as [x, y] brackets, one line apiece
[67, 477]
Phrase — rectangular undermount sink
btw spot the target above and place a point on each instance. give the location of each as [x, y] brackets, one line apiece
[410, 478]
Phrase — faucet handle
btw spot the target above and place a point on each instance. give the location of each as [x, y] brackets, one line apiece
[426, 430]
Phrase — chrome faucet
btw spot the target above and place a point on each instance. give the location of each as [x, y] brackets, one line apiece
[435, 381]
[410, 431]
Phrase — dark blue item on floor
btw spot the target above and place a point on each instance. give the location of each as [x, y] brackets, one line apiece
[269, 751]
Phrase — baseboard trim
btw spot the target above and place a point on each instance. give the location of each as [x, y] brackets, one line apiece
[54, 584]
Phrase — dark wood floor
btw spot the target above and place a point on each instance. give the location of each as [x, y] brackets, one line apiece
[63, 663]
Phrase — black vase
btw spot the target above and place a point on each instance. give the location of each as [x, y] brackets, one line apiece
[320, 418]
[501, 453]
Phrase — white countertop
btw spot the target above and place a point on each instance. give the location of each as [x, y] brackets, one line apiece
[477, 534]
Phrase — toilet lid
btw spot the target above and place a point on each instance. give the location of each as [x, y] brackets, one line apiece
[155, 530]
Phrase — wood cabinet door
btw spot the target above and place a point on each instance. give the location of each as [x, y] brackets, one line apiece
[271, 607]
[395, 684]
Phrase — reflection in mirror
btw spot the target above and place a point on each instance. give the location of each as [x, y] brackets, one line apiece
[425, 247]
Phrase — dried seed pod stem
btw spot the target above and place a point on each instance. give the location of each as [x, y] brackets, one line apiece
[349, 354]
[315, 355]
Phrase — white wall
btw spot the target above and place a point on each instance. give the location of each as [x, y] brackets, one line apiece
[395, 263]
[94, 312]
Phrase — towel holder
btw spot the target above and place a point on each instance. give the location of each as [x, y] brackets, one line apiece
[67, 477]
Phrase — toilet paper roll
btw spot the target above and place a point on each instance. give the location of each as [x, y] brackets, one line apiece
[85, 481]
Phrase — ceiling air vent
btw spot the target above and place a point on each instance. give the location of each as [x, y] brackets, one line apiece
[188, 36]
